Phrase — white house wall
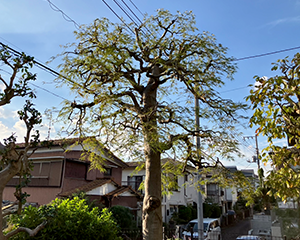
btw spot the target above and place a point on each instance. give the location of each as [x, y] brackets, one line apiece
[170, 201]
[102, 190]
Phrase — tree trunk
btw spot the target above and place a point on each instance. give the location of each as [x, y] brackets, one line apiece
[1, 215]
[152, 215]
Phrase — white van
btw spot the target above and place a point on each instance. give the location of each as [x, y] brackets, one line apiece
[211, 229]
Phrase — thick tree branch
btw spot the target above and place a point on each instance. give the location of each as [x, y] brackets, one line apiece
[31, 233]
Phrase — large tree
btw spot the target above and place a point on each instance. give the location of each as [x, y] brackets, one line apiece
[135, 90]
[14, 162]
[276, 101]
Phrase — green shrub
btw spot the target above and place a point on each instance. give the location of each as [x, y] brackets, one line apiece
[67, 219]
[122, 216]
[211, 210]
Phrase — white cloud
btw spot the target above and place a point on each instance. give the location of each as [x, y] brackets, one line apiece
[8, 114]
[283, 21]
[19, 131]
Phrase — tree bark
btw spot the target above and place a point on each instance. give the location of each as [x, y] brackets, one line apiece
[152, 215]
[1, 215]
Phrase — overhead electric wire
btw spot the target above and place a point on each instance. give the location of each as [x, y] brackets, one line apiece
[117, 16]
[44, 89]
[136, 8]
[136, 16]
[126, 13]
[132, 11]
[48, 69]
[266, 54]
[64, 15]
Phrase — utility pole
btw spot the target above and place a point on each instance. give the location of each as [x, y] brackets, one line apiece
[257, 152]
[199, 202]
[256, 149]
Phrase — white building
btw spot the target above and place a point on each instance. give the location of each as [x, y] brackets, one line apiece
[186, 192]
[184, 195]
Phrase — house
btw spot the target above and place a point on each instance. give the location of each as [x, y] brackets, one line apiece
[59, 171]
[224, 197]
[185, 194]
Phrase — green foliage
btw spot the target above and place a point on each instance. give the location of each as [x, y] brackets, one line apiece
[16, 64]
[136, 91]
[123, 217]
[185, 214]
[211, 210]
[290, 220]
[109, 68]
[277, 110]
[67, 219]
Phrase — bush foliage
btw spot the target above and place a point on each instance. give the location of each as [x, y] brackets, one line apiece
[67, 219]
[123, 217]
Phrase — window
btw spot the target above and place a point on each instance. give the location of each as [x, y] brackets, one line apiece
[108, 172]
[172, 182]
[44, 173]
[186, 179]
[134, 182]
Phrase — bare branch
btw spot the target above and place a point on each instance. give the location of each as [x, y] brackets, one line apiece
[31, 233]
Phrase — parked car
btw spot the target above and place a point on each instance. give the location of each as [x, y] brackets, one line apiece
[211, 229]
[248, 237]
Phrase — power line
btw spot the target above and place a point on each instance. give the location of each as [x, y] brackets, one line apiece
[44, 89]
[64, 15]
[137, 8]
[40, 65]
[265, 54]
[132, 12]
[126, 13]
[117, 15]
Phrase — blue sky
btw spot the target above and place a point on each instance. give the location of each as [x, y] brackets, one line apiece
[247, 28]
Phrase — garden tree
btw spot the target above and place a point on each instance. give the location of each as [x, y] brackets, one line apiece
[123, 217]
[14, 162]
[135, 91]
[67, 219]
[263, 198]
[277, 110]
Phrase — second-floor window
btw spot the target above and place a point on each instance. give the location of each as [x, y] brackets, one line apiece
[134, 181]
[108, 172]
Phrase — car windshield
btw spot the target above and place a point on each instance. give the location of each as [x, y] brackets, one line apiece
[195, 227]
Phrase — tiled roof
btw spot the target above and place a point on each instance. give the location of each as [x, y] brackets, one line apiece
[88, 187]
[55, 142]
[69, 141]
[121, 190]
[163, 162]
[133, 164]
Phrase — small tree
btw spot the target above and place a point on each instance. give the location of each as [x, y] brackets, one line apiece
[276, 101]
[14, 162]
[138, 91]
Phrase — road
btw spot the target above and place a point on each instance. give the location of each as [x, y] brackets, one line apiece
[231, 232]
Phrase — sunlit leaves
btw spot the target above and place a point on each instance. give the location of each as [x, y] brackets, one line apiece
[277, 107]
